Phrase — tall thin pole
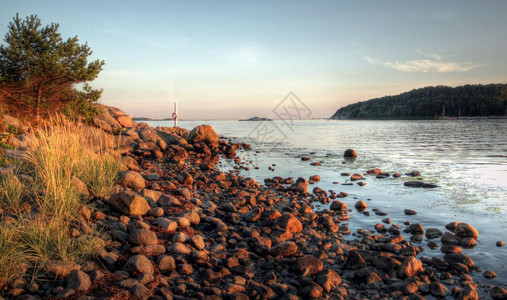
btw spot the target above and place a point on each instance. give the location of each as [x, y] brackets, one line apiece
[175, 108]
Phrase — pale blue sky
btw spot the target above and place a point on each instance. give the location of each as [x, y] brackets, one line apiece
[236, 59]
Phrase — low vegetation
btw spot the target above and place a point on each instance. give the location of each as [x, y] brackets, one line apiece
[42, 202]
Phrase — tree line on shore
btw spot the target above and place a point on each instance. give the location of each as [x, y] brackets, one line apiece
[432, 102]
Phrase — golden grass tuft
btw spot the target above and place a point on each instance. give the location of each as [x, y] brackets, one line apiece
[59, 152]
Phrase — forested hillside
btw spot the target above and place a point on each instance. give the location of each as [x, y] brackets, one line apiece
[431, 102]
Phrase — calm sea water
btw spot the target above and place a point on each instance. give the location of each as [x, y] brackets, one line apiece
[466, 158]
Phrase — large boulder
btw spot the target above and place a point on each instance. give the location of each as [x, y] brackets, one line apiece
[129, 203]
[204, 133]
[125, 121]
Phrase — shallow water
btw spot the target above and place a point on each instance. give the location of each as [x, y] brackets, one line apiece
[466, 158]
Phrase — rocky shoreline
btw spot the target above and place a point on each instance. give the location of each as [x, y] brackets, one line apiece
[179, 228]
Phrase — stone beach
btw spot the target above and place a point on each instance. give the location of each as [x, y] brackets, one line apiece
[179, 227]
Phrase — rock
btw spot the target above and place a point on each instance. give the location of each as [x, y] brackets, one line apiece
[489, 274]
[125, 121]
[205, 134]
[61, 268]
[355, 177]
[498, 293]
[140, 264]
[361, 205]
[355, 261]
[449, 238]
[78, 281]
[284, 249]
[185, 178]
[300, 186]
[459, 258]
[464, 230]
[338, 206]
[500, 243]
[410, 267]
[133, 180]
[350, 153]
[166, 263]
[312, 291]
[409, 212]
[81, 188]
[314, 178]
[416, 228]
[129, 203]
[179, 249]
[165, 223]
[433, 233]
[290, 223]
[143, 237]
[328, 279]
[140, 291]
[468, 293]
[438, 290]
[130, 163]
[309, 262]
[198, 242]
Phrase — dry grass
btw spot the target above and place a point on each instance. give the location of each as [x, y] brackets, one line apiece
[59, 152]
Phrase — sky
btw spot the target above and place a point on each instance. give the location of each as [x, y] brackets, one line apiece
[239, 59]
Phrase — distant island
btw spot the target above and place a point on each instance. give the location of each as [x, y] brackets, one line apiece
[433, 102]
[256, 119]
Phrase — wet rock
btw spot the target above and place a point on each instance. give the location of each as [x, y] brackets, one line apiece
[489, 274]
[469, 292]
[300, 186]
[338, 206]
[361, 205]
[450, 249]
[416, 228]
[433, 233]
[500, 243]
[78, 281]
[61, 268]
[459, 258]
[129, 203]
[498, 293]
[133, 180]
[314, 178]
[464, 230]
[143, 237]
[410, 267]
[284, 249]
[355, 177]
[350, 153]
[309, 262]
[328, 279]
[409, 212]
[449, 238]
[140, 264]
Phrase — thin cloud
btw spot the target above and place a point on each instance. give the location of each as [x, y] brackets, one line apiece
[433, 64]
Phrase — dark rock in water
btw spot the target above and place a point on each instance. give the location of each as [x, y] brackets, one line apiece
[413, 173]
[410, 212]
[416, 228]
[345, 174]
[464, 230]
[433, 233]
[360, 205]
[305, 158]
[489, 274]
[361, 183]
[498, 293]
[315, 164]
[500, 243]
[451, 249]
[397, 175]
[350, 153]
[420, 184]
[356, 177]
[449, 238]
[338, 205]
[459, 258]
